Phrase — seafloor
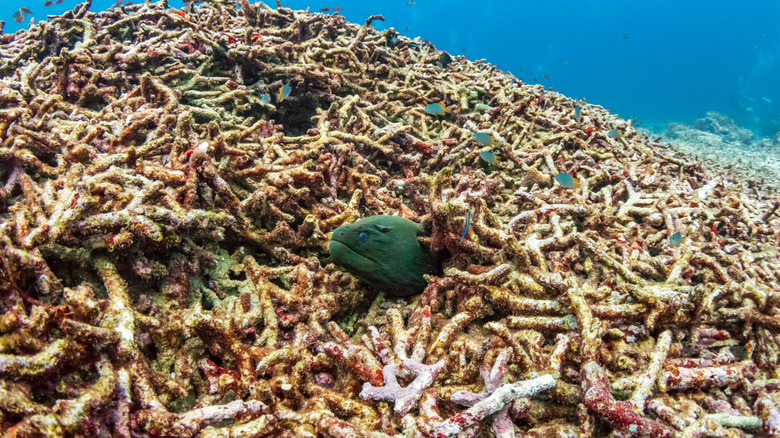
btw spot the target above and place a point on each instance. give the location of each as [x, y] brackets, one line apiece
[164, 229]
[720, 143]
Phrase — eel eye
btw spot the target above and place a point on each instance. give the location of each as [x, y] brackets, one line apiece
[362, 237]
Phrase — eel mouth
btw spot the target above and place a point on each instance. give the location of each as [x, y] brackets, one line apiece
[343, 255]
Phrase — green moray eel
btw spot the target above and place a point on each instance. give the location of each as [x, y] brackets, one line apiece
[383, 252]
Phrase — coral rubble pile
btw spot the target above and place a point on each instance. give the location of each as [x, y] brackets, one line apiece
[165, 212]
[720, 143]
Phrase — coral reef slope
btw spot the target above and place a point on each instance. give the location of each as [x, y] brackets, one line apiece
[170, 179]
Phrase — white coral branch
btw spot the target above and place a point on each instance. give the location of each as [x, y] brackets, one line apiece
[404, 397]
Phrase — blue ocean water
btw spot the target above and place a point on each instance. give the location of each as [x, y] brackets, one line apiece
[654, 62]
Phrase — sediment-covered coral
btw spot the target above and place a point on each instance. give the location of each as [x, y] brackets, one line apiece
[721, 143]
[164, 231]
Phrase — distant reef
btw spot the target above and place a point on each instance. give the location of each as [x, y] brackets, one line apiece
[722, 143]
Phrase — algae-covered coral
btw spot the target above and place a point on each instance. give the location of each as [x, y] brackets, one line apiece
[164, 227]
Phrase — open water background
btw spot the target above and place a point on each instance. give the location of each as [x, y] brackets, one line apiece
[654, 62]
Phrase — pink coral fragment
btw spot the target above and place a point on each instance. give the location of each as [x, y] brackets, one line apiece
[404, 397]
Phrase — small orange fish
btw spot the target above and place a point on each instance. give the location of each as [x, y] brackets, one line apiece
[25, 10]
[534, 79]
[48, 3]
[750, 346]
[256, 36]
[546, 77]
[75, 200]
[18, 17]
[181, 14]
[117, 3]
[58, 2]
[325, 9]
[338, 8]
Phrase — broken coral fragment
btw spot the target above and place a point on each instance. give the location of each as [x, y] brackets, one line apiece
[404, 398]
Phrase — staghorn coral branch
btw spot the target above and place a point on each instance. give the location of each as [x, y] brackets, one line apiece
[355, 358]
[404, 398]
[493, 403]
[648, 379]
[598, 399]
[675, 378]
[51, 358]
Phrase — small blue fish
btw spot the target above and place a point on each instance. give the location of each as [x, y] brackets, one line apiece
[484, 139]
[265, 98]
[614, 134]
[436, 109]
[675, 239]
[283, 92]
[488, 156]
[577, 114]
[567, 180]
[468, 222]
